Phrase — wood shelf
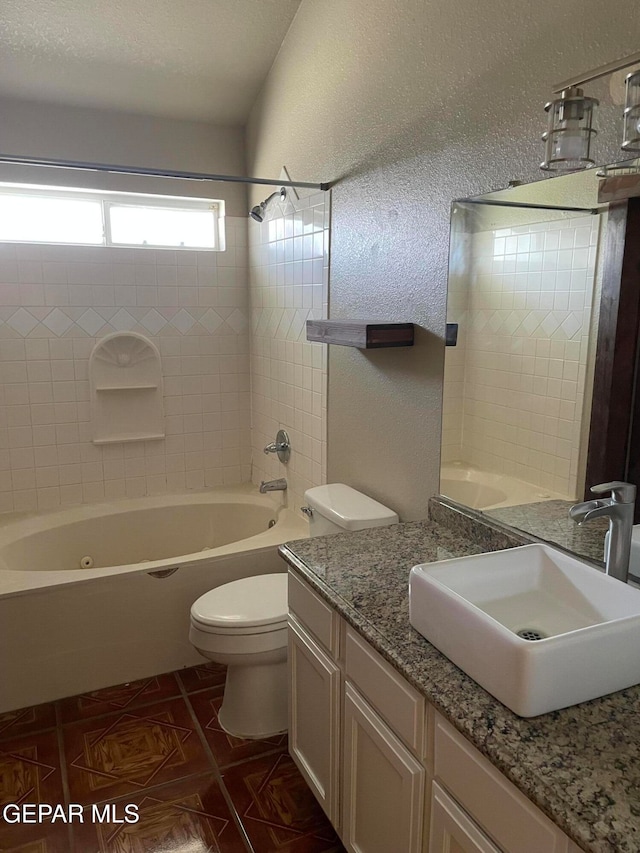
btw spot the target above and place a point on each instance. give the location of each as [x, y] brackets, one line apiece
[618, 188]
[362, 334]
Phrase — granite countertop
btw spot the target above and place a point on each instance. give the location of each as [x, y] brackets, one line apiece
[550, 520]
[581, 765]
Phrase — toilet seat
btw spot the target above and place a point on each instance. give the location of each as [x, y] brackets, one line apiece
[237, 630]
[253, 605]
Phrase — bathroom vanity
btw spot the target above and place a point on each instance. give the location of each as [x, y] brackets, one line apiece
[404, 751]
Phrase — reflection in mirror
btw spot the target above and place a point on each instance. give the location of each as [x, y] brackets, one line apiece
[524, 289]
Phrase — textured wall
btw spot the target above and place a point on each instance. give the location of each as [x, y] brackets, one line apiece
[409, 105]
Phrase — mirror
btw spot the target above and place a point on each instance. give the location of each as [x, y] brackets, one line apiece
[525, 278]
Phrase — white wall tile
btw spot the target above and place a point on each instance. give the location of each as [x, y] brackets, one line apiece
[288, 264]
[58, 301]
[519, 359]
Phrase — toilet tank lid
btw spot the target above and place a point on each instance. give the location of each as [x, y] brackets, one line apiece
[248, 602]
[349, 508]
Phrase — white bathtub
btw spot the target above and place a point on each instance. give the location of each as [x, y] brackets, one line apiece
[65, 629]
[484, 490]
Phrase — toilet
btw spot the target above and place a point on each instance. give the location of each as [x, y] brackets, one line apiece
[243, 624]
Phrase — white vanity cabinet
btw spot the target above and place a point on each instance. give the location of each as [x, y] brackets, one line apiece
[382, 784]
[452, 830]
[490, 813]
[392, 774]
[343, 698]
[314, 694]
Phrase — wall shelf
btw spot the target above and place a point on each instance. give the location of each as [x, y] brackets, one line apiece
[125, 438]
[126, 387]
[363, 334]
[125, 380]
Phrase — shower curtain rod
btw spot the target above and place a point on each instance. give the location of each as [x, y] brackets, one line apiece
[152, 173]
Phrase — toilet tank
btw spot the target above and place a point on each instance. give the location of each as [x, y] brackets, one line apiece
[338, 508]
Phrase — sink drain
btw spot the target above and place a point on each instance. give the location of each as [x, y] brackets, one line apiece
[531, 634]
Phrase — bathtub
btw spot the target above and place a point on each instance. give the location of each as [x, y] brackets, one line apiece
[480, 489]
[98, 595]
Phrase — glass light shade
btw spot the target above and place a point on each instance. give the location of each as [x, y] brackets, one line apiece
[631, 127]
[569, 132]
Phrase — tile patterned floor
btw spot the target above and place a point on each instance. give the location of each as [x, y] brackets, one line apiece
[155, 743]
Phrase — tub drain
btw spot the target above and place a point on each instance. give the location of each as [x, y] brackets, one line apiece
[86, 562]
[531, 634]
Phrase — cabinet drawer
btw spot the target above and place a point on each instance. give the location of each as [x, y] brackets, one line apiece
[499, 808]
[394, 699]
[314, 613]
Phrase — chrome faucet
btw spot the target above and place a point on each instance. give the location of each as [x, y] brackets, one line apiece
[273, 486]
[619, 509]
[281, 446]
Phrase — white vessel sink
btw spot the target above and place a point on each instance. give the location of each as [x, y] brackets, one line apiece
[474, 608]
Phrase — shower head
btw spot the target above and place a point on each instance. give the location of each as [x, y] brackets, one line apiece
[258, 212]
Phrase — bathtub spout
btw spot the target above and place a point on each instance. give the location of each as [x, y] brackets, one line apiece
[273, 486]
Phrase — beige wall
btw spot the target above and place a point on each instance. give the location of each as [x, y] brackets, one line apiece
[408, 105]
[62, 132]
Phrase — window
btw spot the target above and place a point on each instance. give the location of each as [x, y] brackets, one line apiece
[40, 219]
[81, 217]
[134, 225]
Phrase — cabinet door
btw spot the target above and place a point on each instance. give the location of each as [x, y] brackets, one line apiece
[452, 830]
[314, 713]
[383, 784]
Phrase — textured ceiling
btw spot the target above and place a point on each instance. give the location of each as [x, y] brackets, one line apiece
[202, 60]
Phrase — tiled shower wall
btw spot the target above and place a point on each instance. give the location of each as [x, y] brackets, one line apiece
[288, 265]
[55, 303]
[521, 372]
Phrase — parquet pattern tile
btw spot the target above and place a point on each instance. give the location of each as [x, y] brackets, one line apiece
[276, 807]
[122, 697]
[30, 772]
[203, 676]
[156, 744]
[27, 720]
[226, 748]
[122, 753]
[189, 816]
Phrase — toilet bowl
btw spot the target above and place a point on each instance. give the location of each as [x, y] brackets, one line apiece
[243, 624]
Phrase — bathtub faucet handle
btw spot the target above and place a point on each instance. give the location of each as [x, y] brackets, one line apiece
[274, 447]
[281, 446]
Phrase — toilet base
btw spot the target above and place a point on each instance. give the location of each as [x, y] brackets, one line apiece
[255, 701]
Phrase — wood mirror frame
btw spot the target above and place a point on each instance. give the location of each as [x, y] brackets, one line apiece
[614, 437]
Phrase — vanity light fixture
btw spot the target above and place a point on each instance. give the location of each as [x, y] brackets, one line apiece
[631, 126]
[570, 133]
